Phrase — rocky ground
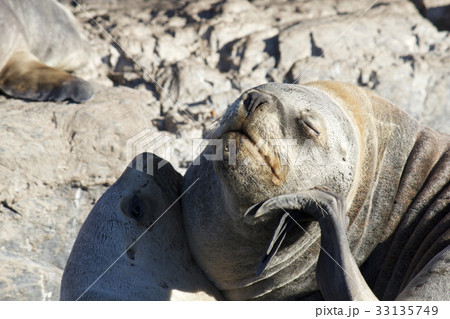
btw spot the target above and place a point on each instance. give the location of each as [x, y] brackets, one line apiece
[166, 70]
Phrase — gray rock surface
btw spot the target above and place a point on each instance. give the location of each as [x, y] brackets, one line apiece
[165, 72]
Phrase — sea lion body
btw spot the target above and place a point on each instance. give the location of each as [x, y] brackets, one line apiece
[132, 245]
[392, 171]
[340, 159]
[40, 39]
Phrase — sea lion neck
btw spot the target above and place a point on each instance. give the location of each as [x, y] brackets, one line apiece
[387, 137]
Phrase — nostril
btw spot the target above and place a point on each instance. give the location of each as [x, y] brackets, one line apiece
[253, 100]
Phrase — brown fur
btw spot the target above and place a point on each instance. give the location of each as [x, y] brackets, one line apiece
[399, 194]
[42, 41]
[402, 192]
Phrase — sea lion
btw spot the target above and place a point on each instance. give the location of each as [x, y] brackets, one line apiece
[39, 40]
[284, 140]
[132, 245]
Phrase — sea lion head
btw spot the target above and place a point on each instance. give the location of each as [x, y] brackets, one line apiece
[280, 139]
[113, 256]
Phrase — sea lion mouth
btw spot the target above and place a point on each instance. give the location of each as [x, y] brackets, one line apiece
[262, 152]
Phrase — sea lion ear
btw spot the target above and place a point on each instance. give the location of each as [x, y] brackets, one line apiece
[140, 208]
[136, 208]
[132, 207]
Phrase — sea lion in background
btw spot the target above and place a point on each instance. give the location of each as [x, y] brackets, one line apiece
[281, 139]
[138, 224]
[39, 40]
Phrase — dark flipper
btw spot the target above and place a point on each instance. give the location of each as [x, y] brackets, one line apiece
[25, 77]
[283, 228]
[337, 273]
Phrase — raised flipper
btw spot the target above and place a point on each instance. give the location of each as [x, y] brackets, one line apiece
[337, 273]
[25, 77]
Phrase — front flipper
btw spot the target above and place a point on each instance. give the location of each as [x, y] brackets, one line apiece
[25, 77]
[337, 273]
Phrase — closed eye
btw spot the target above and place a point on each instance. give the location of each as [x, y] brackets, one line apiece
[310, 129]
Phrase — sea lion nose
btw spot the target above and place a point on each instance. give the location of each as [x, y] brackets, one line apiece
[253, 100]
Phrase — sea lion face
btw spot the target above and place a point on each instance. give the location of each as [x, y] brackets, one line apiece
[281, 139]
[113, 257]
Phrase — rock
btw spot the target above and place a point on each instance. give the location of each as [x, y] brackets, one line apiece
[252, 58]
[183, 124]
[185, 40]
[397, 58]
[23, 279]
[189, 82]
[56, 159]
